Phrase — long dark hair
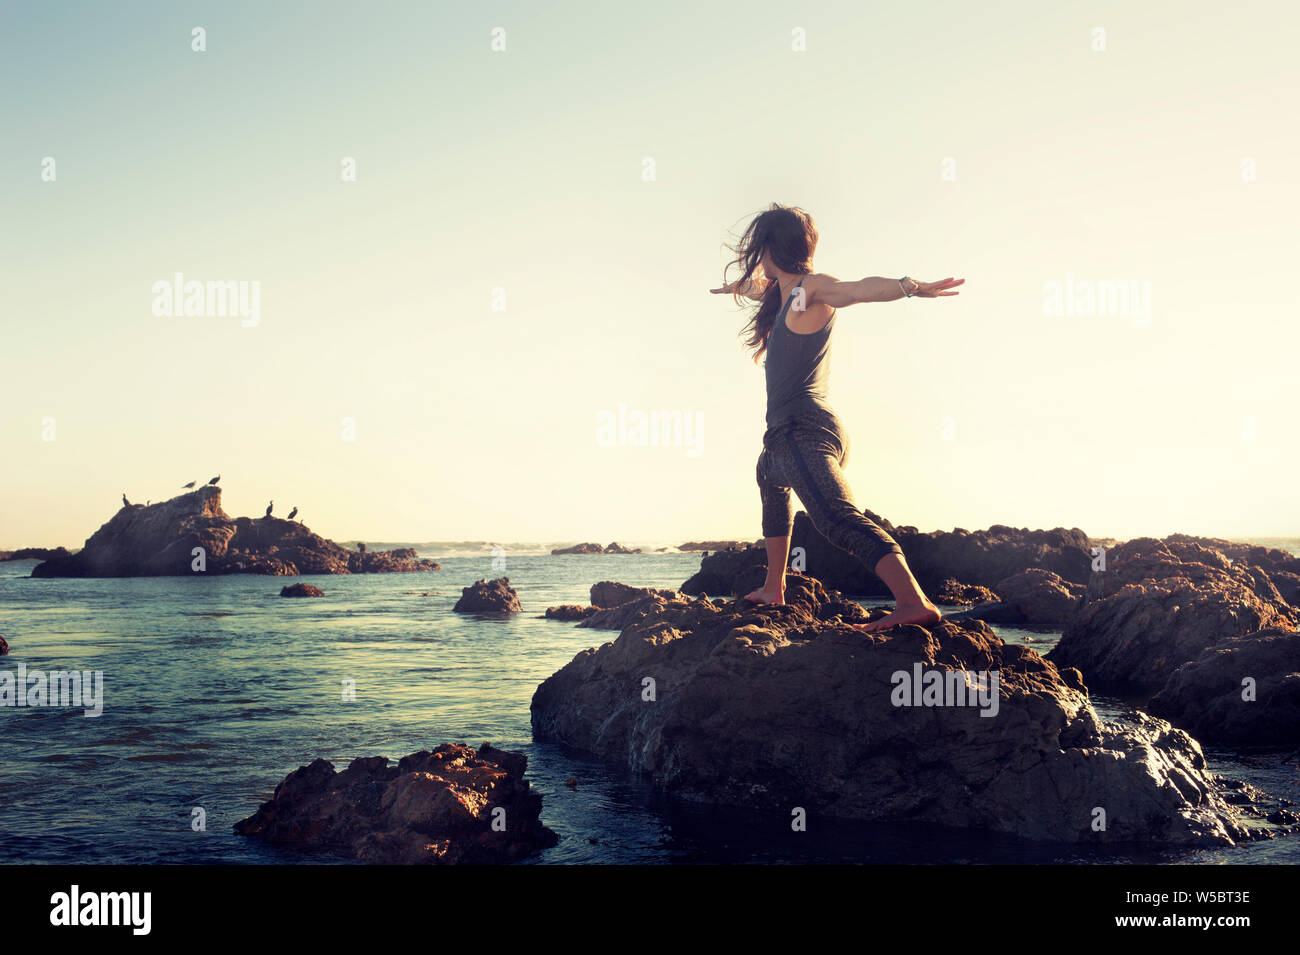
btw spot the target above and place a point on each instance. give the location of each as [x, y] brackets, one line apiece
[790, 237]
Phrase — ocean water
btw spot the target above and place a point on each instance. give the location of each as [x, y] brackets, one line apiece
[215, 688]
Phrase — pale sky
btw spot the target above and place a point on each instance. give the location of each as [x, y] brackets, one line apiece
[995, 142]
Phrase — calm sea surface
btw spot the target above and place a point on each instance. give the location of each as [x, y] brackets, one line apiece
[216, 688]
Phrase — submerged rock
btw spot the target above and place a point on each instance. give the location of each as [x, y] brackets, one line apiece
[301, 590]
[569, 612]
[4, 647]
[787, 706]
[452, 805]
[190, 535]
[484, 596]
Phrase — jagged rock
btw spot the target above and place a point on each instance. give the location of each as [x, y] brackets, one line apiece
[786, 706]
[616, 548]
[1159, 605]
[569, 612]
[616, 618]
[951, 592]
[4, 647]
[495, 596]
[735, 571]
[981, 557]
[587, 548]
[611, 593]
[1041, 598]
[1205, 696]
[35, 553]
[159, 540]
[301, 590]
[432, 807]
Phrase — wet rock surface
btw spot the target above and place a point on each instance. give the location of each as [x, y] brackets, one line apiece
[1161, 604]
[488, 596]
[787, 706]
[452, 805]
[301, 590]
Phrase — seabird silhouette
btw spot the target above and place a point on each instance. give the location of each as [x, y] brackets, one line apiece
[268, 508]
[125, 502]
[186, 487]
[293, 513]
[215, 479]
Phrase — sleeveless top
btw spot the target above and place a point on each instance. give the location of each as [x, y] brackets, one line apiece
[797, 368]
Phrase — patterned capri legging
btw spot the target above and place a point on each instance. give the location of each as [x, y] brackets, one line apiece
[808, 455]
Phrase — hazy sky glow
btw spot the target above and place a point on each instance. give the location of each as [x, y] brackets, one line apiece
[1168, 162]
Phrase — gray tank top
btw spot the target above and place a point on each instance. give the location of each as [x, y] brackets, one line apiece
[797, 368]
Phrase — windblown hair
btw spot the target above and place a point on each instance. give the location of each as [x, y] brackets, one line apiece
[790, 237]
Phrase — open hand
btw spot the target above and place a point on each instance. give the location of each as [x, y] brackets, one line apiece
[936, 289]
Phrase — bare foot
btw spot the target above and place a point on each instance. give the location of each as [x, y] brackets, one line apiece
[766, 595]
[923, 615]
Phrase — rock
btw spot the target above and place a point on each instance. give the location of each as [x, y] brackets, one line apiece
[1160, 605]
[951, 592]
[735, 571]
[1205, 696]
[4, 647]
[569, 612]
[587, 548]
[496, 596]
[983, 558]
[301, 590]
[35, 553]
[592, 548]
[160, 540]
[432, 808]
[714, 545]
[786, 706]
[1041, 598]
[611, 593]
[616, 618]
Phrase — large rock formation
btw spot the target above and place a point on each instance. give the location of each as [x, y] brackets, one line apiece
[980, 557]
[1161, 604]
[1244, 691]
[159, 540]
[787, 706]
[452, 805]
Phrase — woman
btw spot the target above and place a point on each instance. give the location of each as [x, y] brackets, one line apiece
[805, 447]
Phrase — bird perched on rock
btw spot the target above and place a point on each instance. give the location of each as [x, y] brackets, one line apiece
[215, 479]
[268, 508]
[186, 487]
[125, 502]
[293, 513]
